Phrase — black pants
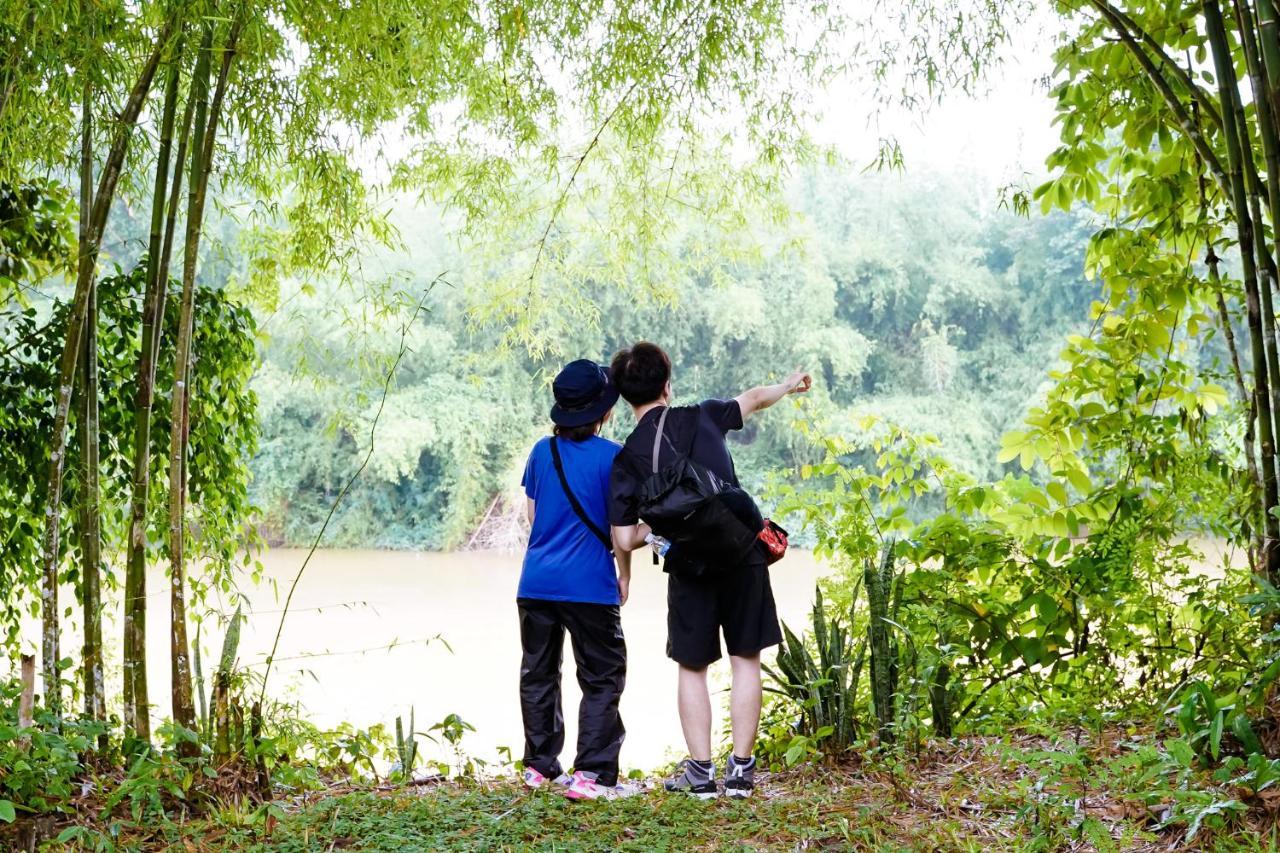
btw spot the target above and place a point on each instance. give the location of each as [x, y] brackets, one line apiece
[601, 656]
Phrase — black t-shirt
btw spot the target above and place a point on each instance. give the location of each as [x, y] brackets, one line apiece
[710, 418]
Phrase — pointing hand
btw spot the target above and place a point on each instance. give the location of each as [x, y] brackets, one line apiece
[799, 382]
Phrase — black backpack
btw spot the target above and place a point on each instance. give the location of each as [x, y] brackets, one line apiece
[710, 523]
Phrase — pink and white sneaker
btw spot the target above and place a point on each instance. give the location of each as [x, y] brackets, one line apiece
[534, 779]
[583, 786]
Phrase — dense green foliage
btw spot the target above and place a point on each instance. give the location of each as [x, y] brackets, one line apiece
[223, 436]
[33, 235]
[1073, 585]
[907, 295]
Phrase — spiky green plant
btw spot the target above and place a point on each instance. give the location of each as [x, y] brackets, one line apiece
[884, 598]
[406, 747]
[823, 682]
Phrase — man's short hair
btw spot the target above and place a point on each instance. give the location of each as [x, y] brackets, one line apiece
[641, 372]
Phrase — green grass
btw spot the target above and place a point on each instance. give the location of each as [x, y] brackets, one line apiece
[799, 814]
[1023, 793]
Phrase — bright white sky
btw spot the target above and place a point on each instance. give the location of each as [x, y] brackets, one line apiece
[1000, 136]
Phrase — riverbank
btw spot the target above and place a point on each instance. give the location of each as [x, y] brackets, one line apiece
[1068, 791]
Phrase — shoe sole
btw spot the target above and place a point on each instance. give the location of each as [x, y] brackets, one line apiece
[574, 795]
[737, 794]
[698, 794]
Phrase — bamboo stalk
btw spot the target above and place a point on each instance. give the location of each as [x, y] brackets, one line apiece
[201, 696]
[1224, 320]
[173, 203]
[91, 518]
[69, 360]
[1269, 42]
[1263, 89]
[88, 430]
[183, 706]
[1228, 94]
[207, 117]
[221, 717]
[1271, 153]
[135, 616]
[1267, 277]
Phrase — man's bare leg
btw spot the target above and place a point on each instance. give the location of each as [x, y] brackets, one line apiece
[694, 703]
[744, 704]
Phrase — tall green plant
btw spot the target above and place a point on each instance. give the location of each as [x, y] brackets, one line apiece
[822, 683]
[883, 599]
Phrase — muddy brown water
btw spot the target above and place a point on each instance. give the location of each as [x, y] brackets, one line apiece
[372, 634]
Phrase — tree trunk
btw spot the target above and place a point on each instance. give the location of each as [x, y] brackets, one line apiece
[90, 518]
[940, 701]
[70, 358]
[27, 698]
[221, 717]
[1229, 94]
[135, 616]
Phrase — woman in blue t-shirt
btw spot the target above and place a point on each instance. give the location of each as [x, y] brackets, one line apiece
[569, 583]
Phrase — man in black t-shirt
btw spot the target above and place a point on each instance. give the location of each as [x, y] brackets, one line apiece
[734, 598]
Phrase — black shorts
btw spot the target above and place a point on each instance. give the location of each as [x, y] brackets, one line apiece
[738, 599]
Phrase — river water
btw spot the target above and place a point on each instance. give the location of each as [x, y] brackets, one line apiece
[450, 623]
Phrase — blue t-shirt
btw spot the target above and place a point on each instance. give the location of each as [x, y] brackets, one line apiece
[565, 561]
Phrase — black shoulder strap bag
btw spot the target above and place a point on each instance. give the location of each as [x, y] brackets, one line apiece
[604, 538]
[712, 522]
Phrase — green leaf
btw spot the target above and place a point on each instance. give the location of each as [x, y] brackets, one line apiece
[7, 812]
[1079, 480]
[1243, 731]
[1180, 751]
[1211, 397]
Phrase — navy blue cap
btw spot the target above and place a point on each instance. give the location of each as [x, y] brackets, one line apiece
[584, 392]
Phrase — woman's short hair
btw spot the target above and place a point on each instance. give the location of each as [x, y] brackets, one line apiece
[578, 433]
[641, 372]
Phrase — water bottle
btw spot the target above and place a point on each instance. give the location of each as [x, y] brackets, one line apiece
[659, 545]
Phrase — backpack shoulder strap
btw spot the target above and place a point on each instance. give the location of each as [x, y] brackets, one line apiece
[604, 538]
[657, 436]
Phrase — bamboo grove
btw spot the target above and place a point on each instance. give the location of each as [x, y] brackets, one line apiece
[78, 375]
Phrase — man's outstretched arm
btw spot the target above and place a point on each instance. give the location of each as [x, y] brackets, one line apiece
[764, 396]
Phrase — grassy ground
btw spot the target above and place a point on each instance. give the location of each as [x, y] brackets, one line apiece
[978, 794]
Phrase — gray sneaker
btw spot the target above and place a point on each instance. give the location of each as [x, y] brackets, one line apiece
[692, 778]
[739, 778]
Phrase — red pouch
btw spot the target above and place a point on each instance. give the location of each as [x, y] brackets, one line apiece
[774, 540]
